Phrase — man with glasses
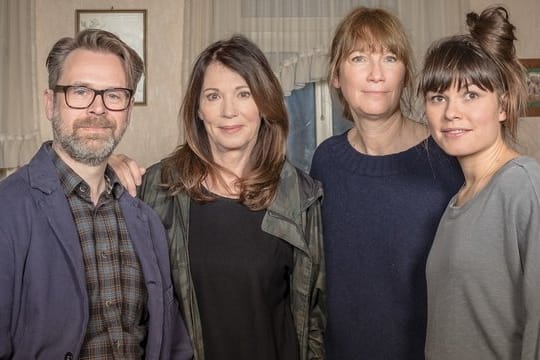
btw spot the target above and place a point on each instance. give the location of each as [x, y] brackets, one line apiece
[84, 268]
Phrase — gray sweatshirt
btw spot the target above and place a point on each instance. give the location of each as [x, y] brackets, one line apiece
[483, 271]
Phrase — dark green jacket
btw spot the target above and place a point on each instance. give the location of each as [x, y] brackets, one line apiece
[293, 216]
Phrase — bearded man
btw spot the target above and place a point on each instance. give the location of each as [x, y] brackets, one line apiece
[84, 267]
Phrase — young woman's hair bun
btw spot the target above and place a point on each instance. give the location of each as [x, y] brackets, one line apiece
[493, 32]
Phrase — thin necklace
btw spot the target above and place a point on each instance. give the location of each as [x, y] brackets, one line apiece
[467, 192]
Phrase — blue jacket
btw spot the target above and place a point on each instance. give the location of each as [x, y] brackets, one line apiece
[43, 298]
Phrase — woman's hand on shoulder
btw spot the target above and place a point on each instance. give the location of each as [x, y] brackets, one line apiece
[128, 171]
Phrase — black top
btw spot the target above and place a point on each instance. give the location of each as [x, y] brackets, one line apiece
[241, 279]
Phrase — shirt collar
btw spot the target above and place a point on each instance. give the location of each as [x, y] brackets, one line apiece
[71, 181]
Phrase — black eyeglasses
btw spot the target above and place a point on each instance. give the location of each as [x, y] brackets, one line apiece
[81, 97]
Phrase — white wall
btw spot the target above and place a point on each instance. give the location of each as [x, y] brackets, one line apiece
[524, 14]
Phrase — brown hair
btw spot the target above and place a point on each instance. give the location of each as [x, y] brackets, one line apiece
[486, 57]
[374, 30]
[96, 40]
[188, 167]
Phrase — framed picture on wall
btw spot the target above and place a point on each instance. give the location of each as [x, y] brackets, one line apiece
[129, 25]
[533, 85]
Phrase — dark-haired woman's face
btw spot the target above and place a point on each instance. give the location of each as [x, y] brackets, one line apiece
[229, 112]
[465, 122]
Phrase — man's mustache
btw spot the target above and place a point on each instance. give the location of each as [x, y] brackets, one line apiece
[98, 122]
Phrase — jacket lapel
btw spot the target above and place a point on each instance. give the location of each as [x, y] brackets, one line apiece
[138, 225]
[51, 200]
[139, 233]
[285, 213]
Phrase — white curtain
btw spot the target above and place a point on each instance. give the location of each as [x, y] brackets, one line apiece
[19, 119]
[430, 20]
[295, 34]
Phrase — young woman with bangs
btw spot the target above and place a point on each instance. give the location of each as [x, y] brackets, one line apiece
[483, 272]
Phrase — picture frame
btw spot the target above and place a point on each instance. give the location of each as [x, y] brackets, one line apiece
[129, 25]
[533, 85]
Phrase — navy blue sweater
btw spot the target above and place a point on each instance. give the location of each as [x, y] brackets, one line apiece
[380, 214]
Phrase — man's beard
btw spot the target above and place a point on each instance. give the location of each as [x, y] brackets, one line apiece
[91, 149]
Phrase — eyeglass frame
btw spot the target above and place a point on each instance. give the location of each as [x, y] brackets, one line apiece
[65, 88]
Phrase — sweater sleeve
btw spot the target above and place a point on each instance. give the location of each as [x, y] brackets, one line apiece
[529, 241]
